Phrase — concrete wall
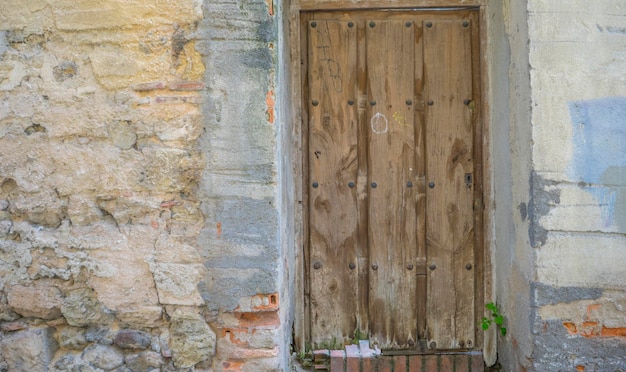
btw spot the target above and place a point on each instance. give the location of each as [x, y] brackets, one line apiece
[511, 165]
[139, 199]
[577, 60]
[559, 125]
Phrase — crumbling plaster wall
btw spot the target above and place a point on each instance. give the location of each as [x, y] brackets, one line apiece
[139, 203]
[558, 132]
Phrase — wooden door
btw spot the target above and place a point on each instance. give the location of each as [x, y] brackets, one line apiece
[393, 159]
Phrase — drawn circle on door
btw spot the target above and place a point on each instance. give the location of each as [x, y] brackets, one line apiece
[379, 123]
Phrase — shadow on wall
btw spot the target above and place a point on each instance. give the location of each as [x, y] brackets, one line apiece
[599, 160]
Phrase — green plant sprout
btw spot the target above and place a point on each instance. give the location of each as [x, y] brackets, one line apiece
[495, 317]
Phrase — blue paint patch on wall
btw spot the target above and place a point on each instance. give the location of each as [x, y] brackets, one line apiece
[599, 137]
[599, 159]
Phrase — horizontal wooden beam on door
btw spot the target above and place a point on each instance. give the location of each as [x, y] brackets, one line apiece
[306, 5]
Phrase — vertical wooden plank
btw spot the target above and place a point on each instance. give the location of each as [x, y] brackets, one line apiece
[420, 161]
[302, 330]
[362, 316]
[450, 168]
[332, 156]
[392, 199]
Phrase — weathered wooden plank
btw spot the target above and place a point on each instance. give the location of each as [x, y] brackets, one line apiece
[362, 316]
[332, 158]
[420, 153]
[450, 167]
[392, 177]
[298, 57]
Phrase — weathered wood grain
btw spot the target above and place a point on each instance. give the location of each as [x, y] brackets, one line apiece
[392, 169]
[449, 201]
[332, 159]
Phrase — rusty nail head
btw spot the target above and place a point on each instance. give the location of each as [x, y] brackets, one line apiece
[468, 266]
[408, 23]
[317, 265]
[465, 23]
[351, 184]
[430, 103]
[431, 185]
[350, 24]
[352, 266]
[409, 266]
[351, 102]
[372, 103]
[429, 24]
[315, 185]
[409, 184]
[409, 102]
[433, 344]
[315, 103]
[467, 102]
[374, 267]
[313, 24]
[374, 184]
[461, 343]
[372, 24]
[411, 343]
[432, 266]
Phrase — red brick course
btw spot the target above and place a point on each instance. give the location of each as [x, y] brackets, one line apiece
[363, 359]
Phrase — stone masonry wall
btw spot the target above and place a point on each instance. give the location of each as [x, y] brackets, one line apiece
[138, 223]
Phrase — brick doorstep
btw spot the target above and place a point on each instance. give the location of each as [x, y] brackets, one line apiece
[362, 358]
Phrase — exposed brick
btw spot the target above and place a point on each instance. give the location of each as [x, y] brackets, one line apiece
[177, 99]
[462, 363]
[613, 332]
[446, 363]
[258, 303]
[232, 365]
[399, 363]
[368, 363]
[171, 203]
[269, 319]
[269, 102]
[12, 326]
[416, 363]
[353, 358]
[186, 85]
[144, 87]
[321, 355]
[337, 360]
[386, 364]
[431, 362]
[478, 364]
[571, 327]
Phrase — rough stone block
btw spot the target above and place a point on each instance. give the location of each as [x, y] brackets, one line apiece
[81, 308]
[32, 16]
[132, 339]
[82, 210]
[92, 14]
[191, 339]
[144, 361]
[72, 338]
[29, 350]
[177, 283]
[103, 356]
[144, 316]
[41, 300]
